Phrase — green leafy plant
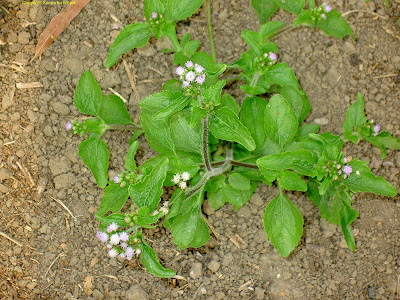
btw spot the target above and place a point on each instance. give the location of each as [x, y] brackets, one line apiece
[211, 147]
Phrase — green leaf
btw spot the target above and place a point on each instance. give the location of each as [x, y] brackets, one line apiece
[177, 105]
[355, 117]
[181, 9]
[305, 19]
[225, 125]
[132, 36]
[301, 161]
[239, 182]
[280, 74]
[250, 90]
[197, 115]
[216, 199]
[148, 191]
[264, 9]
[367, 181]
[213, 93]
[185, 137]
[157, 102]
[304, 130]
[88, 94]
[205, 60]
[95, 125]
[113, 111]
[237, 198]
[253, 39]
[130, 164]
[347, 216]
[252, 116]
[114, 198]
[150, 6]
[158, 133]
[172, 85]
[190, 48]
[229, 101]
[281, 121]
[298, 100]
[150, 262]
[283, 224]
[335, 25]
[113, 218]
[95, 155]
[291, 181]
[146, 217]
[189, 229]
[270, 28]
[293, 6]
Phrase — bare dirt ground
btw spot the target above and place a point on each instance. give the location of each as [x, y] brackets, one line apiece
[48, 253]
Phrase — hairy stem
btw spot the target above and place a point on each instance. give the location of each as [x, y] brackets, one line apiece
[206, 156]
[288, 28]
[124, 127]
[210, 35]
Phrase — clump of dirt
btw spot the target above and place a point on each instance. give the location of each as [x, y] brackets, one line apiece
[59, 256]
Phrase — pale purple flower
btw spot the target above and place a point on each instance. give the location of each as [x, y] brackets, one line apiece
[377, 128]
[189, 64]
[272, 56]
[345, 159]
[328, 8]
[122, 255]
[102, 236]
[185, 176]
[347, 170]
[123, 245]
[138, 251]
[129, 252]
[340, 172]
[323, 16]
[114, 239]
[200, 79]
[179, 71]
[190, 76]
[153, 15]
[198, 68]
[123, 236]
[112, 253]
[116, 179]
[112, 227]
[68, 126]
[185, 84]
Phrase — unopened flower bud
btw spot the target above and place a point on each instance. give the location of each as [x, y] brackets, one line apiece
[68, 126]
[377, 128]
[116, 179]
[138, 251]
[136, 240]
[127, 220]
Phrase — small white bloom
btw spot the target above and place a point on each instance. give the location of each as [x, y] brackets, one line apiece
[124, 236]
[112, 253]
[190, 76]
[200, 79]
[122, 255]
[185, 176]
[154, 213]
[109, 246]
[182, 185]
[164, 210]
[180, 70]
[138, 251]
[189, 64]
[185, 84]
[123, 245]
[129, 252]
[176, 179]
[166, 203]
[358, 172]
[278, 275]
[114, 239]
[112, 227]
[198, 68]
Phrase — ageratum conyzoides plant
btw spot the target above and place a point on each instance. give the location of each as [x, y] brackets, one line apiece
[211, 147]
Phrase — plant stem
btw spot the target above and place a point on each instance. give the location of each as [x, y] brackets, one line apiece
[255, 78]
[206, 156]
[210, 35]
[124, 127]
[288, 28]
[240, 164]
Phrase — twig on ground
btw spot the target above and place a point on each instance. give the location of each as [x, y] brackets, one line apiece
[132, 80]
[118, 94]
[10, 238]
[217, 235]
[27, 175]
[364, 11]
[65, 207]
[155, 70]
[16, 68]
[385, 76]
[29, 85]
[48, 269]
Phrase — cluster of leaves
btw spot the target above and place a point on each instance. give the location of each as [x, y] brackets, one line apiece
[357, 127]
[228, 149]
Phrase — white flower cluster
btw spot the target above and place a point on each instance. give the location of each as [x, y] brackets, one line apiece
[191, 73]
[181, 179]
[117, 242]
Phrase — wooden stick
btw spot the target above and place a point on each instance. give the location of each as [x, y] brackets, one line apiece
[10, 238]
